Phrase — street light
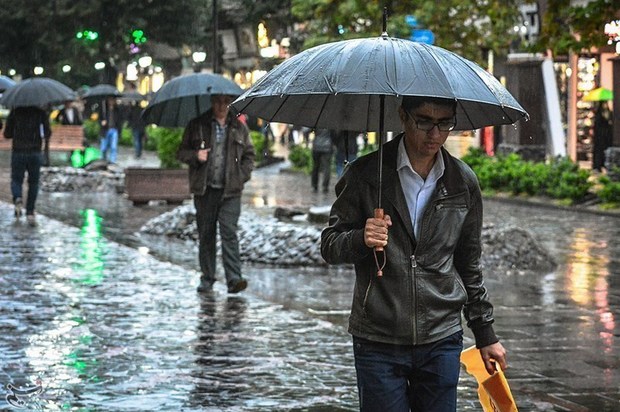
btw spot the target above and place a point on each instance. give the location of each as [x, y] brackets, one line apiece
[38, 70]
[66, 68]
[198, 57]
[145, 61]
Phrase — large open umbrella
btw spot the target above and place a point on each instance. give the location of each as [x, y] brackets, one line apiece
[359, 84]
[101, 90]
[5, 83]
[36, 91]
[186, 97]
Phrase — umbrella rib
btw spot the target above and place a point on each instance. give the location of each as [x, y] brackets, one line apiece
[321, 111]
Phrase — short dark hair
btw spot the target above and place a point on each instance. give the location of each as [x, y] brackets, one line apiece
[411, 103]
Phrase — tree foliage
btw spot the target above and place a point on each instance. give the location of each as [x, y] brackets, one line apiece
[468, 27]
[576, 28]
[43, 33]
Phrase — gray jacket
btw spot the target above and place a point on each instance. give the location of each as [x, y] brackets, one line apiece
[426, 282]
[239, 154]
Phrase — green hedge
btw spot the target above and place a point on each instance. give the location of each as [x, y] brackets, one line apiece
[559, 178]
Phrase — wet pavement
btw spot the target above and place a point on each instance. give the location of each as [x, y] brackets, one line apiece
[101, 318]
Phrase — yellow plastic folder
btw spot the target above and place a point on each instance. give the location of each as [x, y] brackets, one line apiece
[493, 390]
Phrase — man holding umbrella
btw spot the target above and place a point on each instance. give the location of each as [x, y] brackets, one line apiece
[28, 127]
[406, 317]
[220, 155]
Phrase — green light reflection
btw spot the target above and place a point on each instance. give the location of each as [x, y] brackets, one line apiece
[91, 262]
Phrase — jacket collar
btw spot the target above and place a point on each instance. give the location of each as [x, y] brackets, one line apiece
[449, 184]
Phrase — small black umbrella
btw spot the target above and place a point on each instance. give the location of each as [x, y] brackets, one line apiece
[36, 91]
[101, 90]
[5, 83]
[186, 97]
[133, 96]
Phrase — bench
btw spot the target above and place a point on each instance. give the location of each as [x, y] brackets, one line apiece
[65, 138]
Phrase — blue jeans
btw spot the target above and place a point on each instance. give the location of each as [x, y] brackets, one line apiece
[341, 161]
[109, 142]
[213, 209]
[22, 162]
[395, 378]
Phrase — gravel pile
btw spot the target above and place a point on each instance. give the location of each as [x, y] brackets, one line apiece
[270, 241]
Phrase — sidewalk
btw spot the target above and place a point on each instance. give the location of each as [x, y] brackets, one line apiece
[104, 326]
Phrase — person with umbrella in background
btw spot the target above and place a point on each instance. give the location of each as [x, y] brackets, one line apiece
[406, 325]
[111, 123]
[69, 115]
[218, 149]
[134, 119]
[603, 131]
[28, 127]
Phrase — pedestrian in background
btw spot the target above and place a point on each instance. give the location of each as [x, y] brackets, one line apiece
[69, 115]
[110, 121]
[346, 149]
[406, 319]
[322, 152]
[136, 124]
[28, 127]
[218, 149]
[603, 130]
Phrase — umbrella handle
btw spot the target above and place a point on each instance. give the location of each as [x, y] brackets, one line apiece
[379, 249]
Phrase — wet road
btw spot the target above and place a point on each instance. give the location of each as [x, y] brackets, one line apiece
[103, 326]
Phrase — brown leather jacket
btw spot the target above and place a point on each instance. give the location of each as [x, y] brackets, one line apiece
[426, 283]
[239, 154]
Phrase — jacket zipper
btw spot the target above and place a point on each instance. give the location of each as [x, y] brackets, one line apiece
[414, 318]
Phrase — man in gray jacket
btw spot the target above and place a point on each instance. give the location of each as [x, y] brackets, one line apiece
[220, 155]
[406, 312]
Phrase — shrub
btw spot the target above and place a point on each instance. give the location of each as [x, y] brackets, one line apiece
[262, 151]
[567, 181]
[609, 191]
[560, 178]
[91, 130]
[301, 158]
[167, 141]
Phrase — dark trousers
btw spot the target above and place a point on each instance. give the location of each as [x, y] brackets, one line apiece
[22, 162]
[138, 141]
[395, 378]
[212, 209]
[321, 164]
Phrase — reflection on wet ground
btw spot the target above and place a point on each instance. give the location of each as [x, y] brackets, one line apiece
[103, 326]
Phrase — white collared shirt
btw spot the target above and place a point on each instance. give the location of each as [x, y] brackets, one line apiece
[417, 190]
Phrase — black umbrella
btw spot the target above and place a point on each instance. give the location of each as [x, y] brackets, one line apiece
[101, 90]
[133, 96]
[359, 84]
[5, 83]
[186, 97]
[36, 91]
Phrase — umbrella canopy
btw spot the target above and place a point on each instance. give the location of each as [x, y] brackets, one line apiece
[600, 94]
[342, 86]
[5, 83]
[133, 96]
[36, 91]
[186, 97]
[102, 90]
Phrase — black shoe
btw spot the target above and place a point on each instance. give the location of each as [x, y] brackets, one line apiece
[205, 286]
[236, 286]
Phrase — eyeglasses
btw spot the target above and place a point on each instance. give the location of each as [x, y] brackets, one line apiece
[427, 125]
